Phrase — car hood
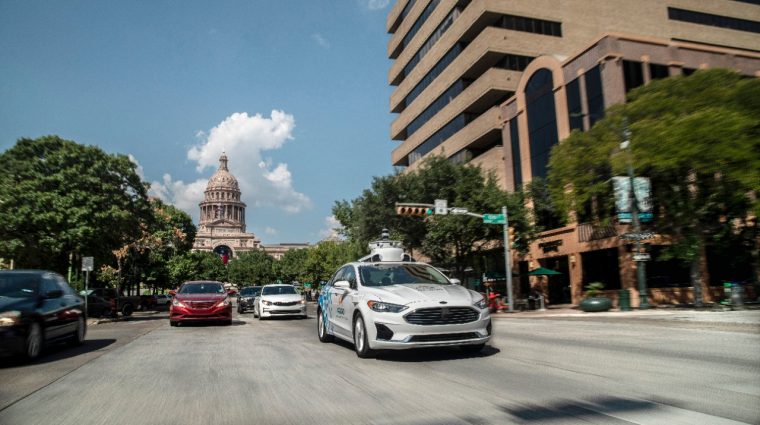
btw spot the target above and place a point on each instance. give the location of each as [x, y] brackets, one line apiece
[20, 304]
[281, 297]
[416, 293]
[200, 297]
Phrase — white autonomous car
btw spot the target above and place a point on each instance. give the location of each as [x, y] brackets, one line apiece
[386, 300]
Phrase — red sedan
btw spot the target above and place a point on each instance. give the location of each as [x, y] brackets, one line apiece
[200, 301]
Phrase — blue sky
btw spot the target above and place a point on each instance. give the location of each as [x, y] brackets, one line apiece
[295, 92]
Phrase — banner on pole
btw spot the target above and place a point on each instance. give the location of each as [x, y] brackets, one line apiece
[642, 188]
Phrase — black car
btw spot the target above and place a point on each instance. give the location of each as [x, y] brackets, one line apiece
[247, 297]
[37, 307]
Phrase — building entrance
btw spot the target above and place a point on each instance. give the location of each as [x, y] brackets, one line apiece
[559, 285]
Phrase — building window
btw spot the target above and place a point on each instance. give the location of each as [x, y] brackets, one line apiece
[532, 25]
[514, 62]
[434, 37]
[601, 266]
[418, 24]
[657, 72]
[450, 94]
[440, 136]
[594, 95]
[633, 75]
[434, 72]
[514, 140]
[574, 107]
[713, 20]
[542, 120]
[687, 71]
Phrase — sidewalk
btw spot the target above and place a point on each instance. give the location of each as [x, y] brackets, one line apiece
[748, 316]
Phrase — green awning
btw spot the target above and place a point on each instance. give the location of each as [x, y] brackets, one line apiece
[543, 272]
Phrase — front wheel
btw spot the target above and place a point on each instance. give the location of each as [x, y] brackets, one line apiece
[322, 329]
[126, 311]
[77, 338]
[361, 346]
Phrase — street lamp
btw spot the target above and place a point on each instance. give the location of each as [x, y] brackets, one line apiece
[633, 202]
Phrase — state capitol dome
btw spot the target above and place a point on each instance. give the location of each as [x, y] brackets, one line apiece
[222, 178]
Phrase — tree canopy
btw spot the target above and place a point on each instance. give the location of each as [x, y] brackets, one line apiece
[697, 138]
[58, 197]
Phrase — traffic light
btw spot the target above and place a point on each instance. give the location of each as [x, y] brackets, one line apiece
[513, 238]
[414, 211]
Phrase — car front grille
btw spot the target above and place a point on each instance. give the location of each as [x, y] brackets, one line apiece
[201, 305]
[444, 337]
[285, 304]
[442, 316]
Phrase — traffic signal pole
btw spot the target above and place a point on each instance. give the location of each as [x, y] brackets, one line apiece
[441, 207]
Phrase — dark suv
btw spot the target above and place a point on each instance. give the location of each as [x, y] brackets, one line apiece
[247, 298]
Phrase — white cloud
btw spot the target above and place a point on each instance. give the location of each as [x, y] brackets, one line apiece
[332, 225]
[270, 231]
[244, 138]
[319, 39]
[378, 4]
[139, 169]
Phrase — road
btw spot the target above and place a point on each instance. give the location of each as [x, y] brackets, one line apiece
[536, 370]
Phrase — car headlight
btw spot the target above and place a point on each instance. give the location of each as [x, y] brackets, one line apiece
[223, 303]
[381, 307]
[482, 304]
[177, 303]
[303, 301]
[9, 318]
[265, 302]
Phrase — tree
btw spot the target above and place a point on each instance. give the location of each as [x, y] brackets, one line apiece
[324, 259]
[58, 198]
[252, 268]
[697, 138]
[290, 268]
[450, 241]
[196, 266]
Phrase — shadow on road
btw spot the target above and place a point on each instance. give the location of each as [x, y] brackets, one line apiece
[595, 410]
[59, 351]
[433, 354]
[198, 324]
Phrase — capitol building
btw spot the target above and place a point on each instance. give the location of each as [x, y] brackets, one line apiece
[222, 220]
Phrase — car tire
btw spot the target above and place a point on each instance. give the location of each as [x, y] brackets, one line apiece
[361, 344]
[228, 322]
[322, 329]
[173, 323]
[472, 349]
[255, 312]
[34, 341]
[127, 310]
[77, 337]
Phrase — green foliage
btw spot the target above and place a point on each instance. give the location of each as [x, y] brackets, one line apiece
[195, 266]
[450, 241]
[59, 197]
[291, 267]
[323, 259]
[696, 137]
[252, 268]
[593, 289]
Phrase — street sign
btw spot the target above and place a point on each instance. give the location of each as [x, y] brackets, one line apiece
[641, 256]
[458, 210]
[638, 236]
[88, 263]
[494, 219]
[441, 206]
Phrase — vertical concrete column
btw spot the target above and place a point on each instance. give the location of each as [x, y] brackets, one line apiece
[576, 277]
[628, 274]
[613, 81]
[645, 69]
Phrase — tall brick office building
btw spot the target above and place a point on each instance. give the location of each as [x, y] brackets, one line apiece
[467, 76]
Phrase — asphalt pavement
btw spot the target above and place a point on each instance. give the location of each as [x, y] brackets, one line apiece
[545, 368]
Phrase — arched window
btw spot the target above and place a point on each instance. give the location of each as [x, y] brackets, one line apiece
[542, 120]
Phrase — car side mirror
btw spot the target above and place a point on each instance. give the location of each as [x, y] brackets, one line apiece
[56, 293]
[172, 292]
[342, 284]
[455, 281]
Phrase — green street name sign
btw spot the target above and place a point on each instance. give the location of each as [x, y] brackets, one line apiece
[493, 219]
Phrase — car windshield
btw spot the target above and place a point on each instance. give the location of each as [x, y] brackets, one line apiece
[251, 291]
[18, 285]
[400, 274]
[278, 290]
[202, 288]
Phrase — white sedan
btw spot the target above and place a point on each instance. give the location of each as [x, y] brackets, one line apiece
[279, 300]
[377, 304]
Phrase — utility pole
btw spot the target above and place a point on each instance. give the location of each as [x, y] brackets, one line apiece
[640, 265]
[507, 262]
